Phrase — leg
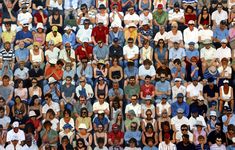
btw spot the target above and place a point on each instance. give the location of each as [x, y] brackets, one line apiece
[221, 103]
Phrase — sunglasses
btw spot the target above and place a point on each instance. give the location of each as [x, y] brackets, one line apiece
[184, 129]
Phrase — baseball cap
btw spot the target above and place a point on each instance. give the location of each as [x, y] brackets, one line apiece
[55, 28]
[159, 6]
[115, 40]
[180, 95]
[180, 110]
[224, 41]
[15, 124]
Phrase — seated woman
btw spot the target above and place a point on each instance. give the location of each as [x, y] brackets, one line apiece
[204, 17]
[118, 120]
[199, 131]
[116, 71]
[146, 52]
[56, 19]
[149, 120]
[226, 96]
[36, 55]
[225, 71]
[21, 91]
[160, 53]
[83, 119]
[67, 119]
[174, 35]
[40, 35]
[102, 15]
[100, 69]
[166, 129]
[101, 87]
[19, 106]
[100, 133]
[146, 106]
[36, 106]
[149, 133]
[35, 89]
[189, 14]
[50, 116]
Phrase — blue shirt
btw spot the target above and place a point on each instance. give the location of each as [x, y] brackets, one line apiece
[98, 122]
[150, 148]
[118, 35]
[232, 121]
[131, 72]
[175, 106]
[190, 54]
[22, 54]
[132, 134]
[23, 35]
[69, 38]
[163, 86]
[174, 70]
[53, 92]
[219, 34]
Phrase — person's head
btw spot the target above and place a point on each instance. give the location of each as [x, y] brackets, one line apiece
[149, 128]
[65, 140]
[59, 64]
[67, 113]
[48, 97]
[82, 99]
[167, 138]
[149, 113]
[134, 99]
[218, 141]
[226, 83]
[17, 99]
[164, 113]
[28, 139]
[224, 62]
[176, 7]
[180, 97]
[86, 23]
[100, 142]
[47, 125]
[189, 9]
[100, 128]
[7, 46]
[101, 98]
[159, 8]
[130, 42]
[67, 46]
[166, 126]
[150, 141]
[147, 79]
[102, 8]
[50, 113]
[82, 81]
[101, 80]
[218, 127]
[134, 126]
[68, 80]
[160, 43]
[180, 113]
[162, 77]
[54, 30]
[115, 61]
[132, 80]
[146, 43]
[100, 114]
[194, 112]
[195, 81]
[231, 129]
[201, 139]
[174, 26]
[115, 85]
[223, 24]
[147, 63]
[84, 112]
[82, 129]
[115, 128]
[131, 10]
[2, 111]
[5, 80]
[219, 7]
[204, 10]
[224, 43]
[184, 129]
[133, 143]
[20, 83]
[8, 26]
[84, 8]
[81, 143]
[178, 82]
[185, 138]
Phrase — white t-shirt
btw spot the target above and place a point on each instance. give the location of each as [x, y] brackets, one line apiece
[223, 52]
[63, 55]
[116, 18]
[143, 72]
[133, 17]
[176, 90]
[136, 108]
[19, 134]
[130, 52]
[178, 36]
[53, 54]
[104, 18]
[205, 34]
[146, 18]
[84, 35]
[193, 121]
[159, 36]
[194, 90]
[190, 36]
[179, 134]
[98, 106]
[178, 122]
[24, 17]
[55, 106]
[173, 15]
[208, 54]
[218, 17]
[162, 107]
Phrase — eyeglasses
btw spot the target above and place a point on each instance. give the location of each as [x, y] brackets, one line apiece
[218, 140]
[99, 42]
[174, 26]
[148, 114]
[67, 46]
[83, 8]
[184, 129]
[130, 42]
[84, 112]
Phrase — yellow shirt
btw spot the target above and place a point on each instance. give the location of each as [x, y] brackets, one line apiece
[8, 36]
[56, 39]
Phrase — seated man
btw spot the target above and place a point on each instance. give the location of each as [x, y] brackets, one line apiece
[220, 33]
[134, 105]
[24, 17]
[84, 33]
[7, 55]
[133, 133]
[147, 89]
[22, 54]
[84, 88]
[146, 69]
[69, 36]
[55, 36]
[162, 87]
[54, 70]
[101, 51]
[49, 135]
[67, 55]
[194, 90]
[24, 35]
[177, 14]
[9, 34]
[180, 104]
[191, 34]
[53, 87]
[131, 52]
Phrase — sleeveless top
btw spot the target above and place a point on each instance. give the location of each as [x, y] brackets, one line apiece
[228, 95]
[101, 91]
[116, 74]
[152, 137]
[55, 21]
[205, 20]
[85, 138]
[36, 58]
[161, 56]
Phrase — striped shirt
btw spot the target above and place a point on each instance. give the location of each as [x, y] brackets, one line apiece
[7, 55]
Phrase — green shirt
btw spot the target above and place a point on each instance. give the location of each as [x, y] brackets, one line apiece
[160, 18]
[129, 90]
[51, 134]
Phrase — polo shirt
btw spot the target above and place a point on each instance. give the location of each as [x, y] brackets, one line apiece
[101, 52]
[64, 56]
[130, 52]
[190, 54]
[223, 52]
[208, 54]
[56, 39]
[81, 54]
[20, 35]
[191, 36]
[218, 17]
[136, 108]
[144, 72]
[174, 54]
[98, 106]
[160, 18]
[8, 36]
[54, 106]
[22, 54]
[19, 134]
[46, 88]
[178, 122]
[173, 15]
[99, 33]
[220, 34]
[194, 90]
[22, 74]
[175, 106]
[84, 35]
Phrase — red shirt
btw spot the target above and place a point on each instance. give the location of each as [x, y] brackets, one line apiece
[190, 17]
[35, 123]
[147, 90]
[84, 54]
[59, 73]
[100, 33]
[119, 135]
[39, 17]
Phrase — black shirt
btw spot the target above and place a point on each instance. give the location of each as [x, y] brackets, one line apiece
[39, 3]
[213, 135]
[115, 51]
[181, 146]
[33, 73]
[210, 91]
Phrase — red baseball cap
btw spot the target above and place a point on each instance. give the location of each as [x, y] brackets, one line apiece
[159, 6]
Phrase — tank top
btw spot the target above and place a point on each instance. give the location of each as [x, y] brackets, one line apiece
[226, 96]
[204, 20]
[36, 58]
[55, 21]
[101, 91]
[152, 137]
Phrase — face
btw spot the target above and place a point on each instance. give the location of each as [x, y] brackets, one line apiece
[217, 128]
[219, 8]
[131, 11]
[219, 141]
[1, 113]
[82, 100]
[163, 77]
[191, 26]
[6, 82]
[148, 114]
[176, 45]
[101, 98]
[130, 43]
[147, 80]
[132, 81]
[7, 46]
[133, 100]
[180, 115]
[100, 43]
[185, 140]
[147, 66]
[68, 81]
[84, 113]
[184, 130]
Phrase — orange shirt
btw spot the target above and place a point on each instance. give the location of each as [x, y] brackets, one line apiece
[58, 72]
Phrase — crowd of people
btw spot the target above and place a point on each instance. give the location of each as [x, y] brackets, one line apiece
[117, 74]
